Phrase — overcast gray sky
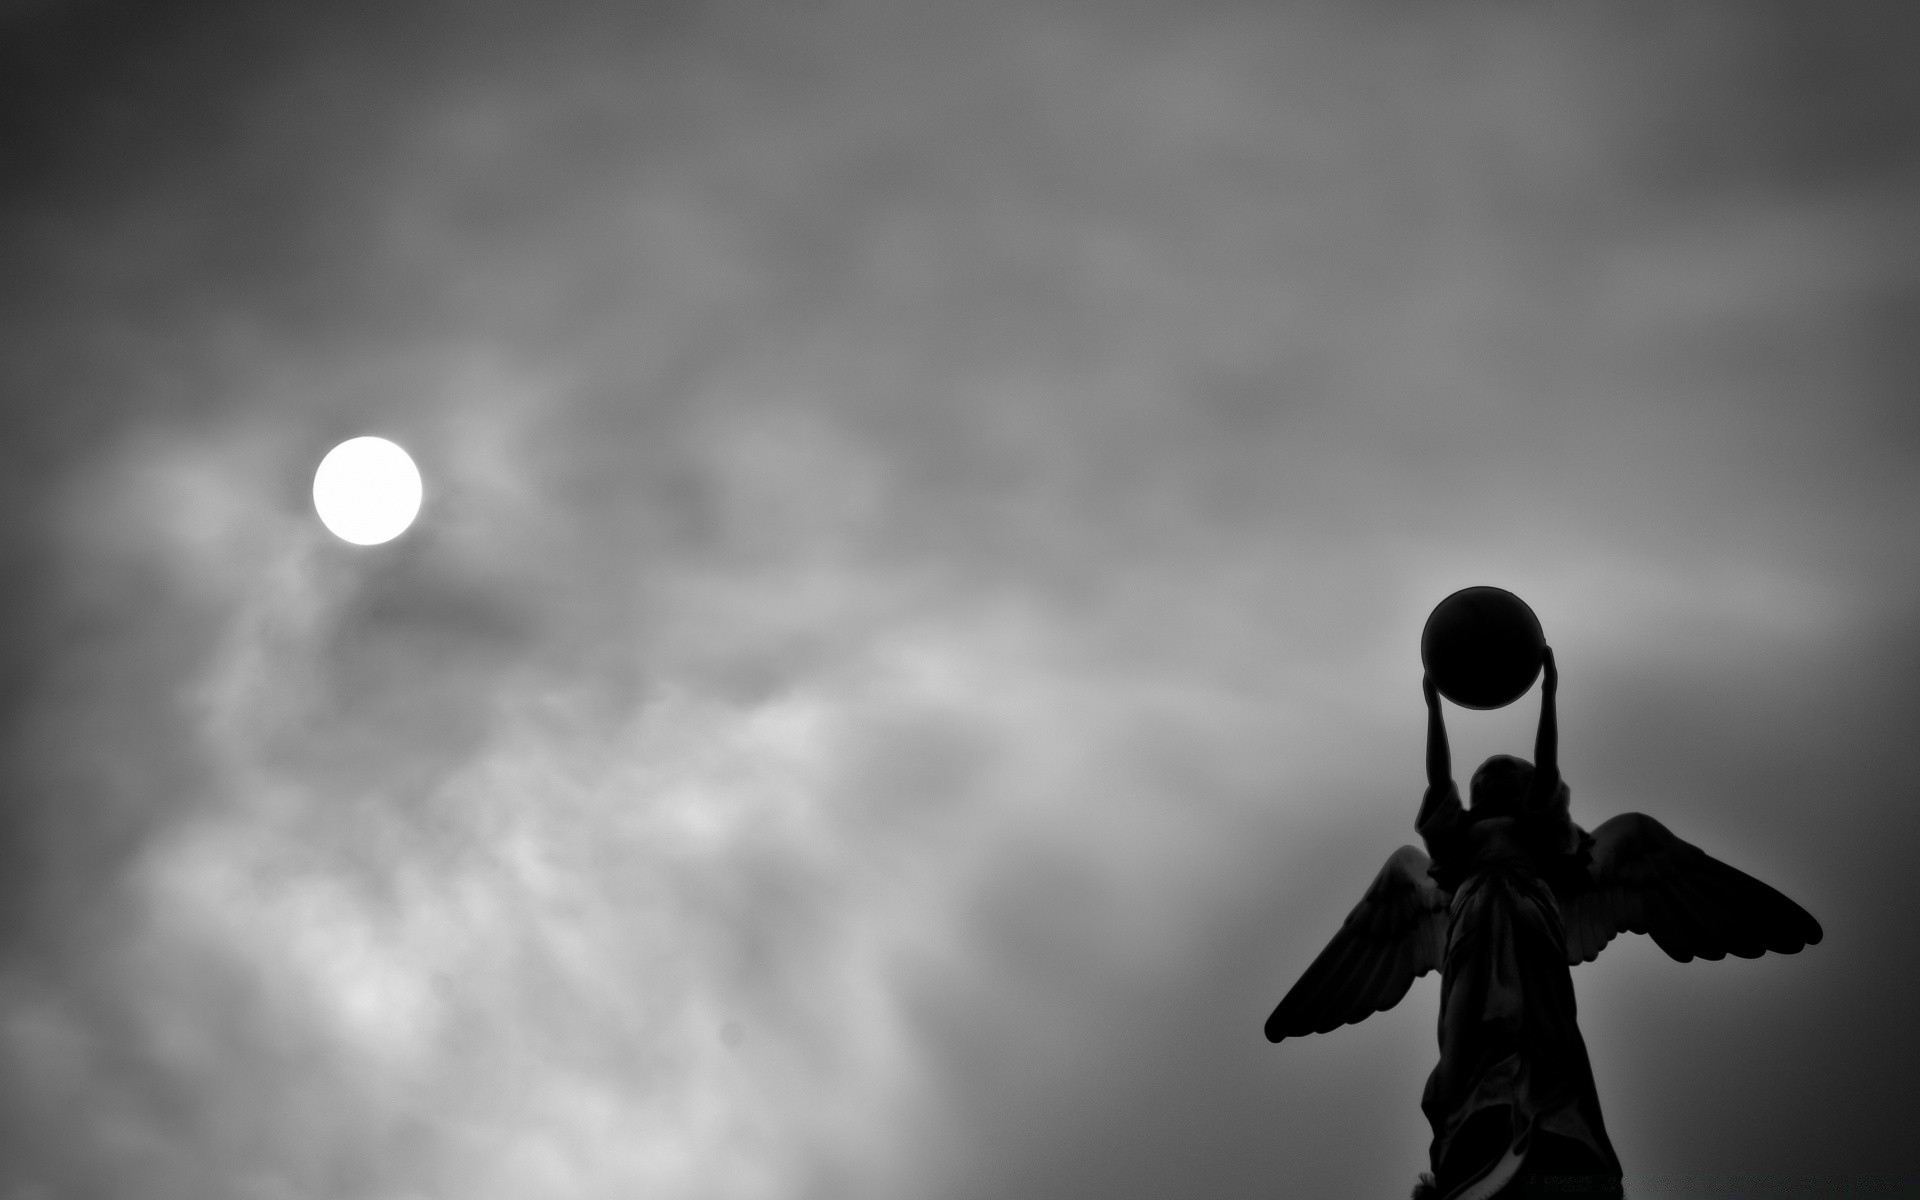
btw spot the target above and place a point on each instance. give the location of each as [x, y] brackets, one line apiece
[911, 642]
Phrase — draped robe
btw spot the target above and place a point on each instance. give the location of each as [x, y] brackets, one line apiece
[1513, 1096]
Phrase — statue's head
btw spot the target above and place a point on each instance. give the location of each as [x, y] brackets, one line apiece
[1500, 784]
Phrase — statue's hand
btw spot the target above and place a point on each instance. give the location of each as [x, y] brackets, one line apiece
[1550, 674]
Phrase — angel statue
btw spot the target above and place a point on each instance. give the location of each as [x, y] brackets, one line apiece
[1509, 894]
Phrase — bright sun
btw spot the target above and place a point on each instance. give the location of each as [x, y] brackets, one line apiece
[367, 490]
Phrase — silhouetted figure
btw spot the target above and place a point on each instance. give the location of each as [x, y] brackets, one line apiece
[1513, 894]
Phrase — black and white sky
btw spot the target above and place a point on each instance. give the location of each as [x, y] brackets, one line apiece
[911, 642]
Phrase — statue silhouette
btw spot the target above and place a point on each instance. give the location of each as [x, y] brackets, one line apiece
[1508, 896]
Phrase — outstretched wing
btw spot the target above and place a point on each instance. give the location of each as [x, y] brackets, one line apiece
[1643, 879]
[1397, 933]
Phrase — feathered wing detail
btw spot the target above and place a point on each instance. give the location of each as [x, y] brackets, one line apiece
[1643, 879]
[1397, 933]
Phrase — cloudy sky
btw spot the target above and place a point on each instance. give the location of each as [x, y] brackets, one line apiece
[911, 642]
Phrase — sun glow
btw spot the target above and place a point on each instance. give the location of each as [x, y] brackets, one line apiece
[367, 491]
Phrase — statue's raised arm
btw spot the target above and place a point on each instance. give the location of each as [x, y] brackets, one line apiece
[1439, 756]
[1546, 741]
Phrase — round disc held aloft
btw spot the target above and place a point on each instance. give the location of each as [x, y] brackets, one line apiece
[1483, 646]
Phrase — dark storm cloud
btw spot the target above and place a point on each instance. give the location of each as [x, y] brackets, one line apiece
[909, 645]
